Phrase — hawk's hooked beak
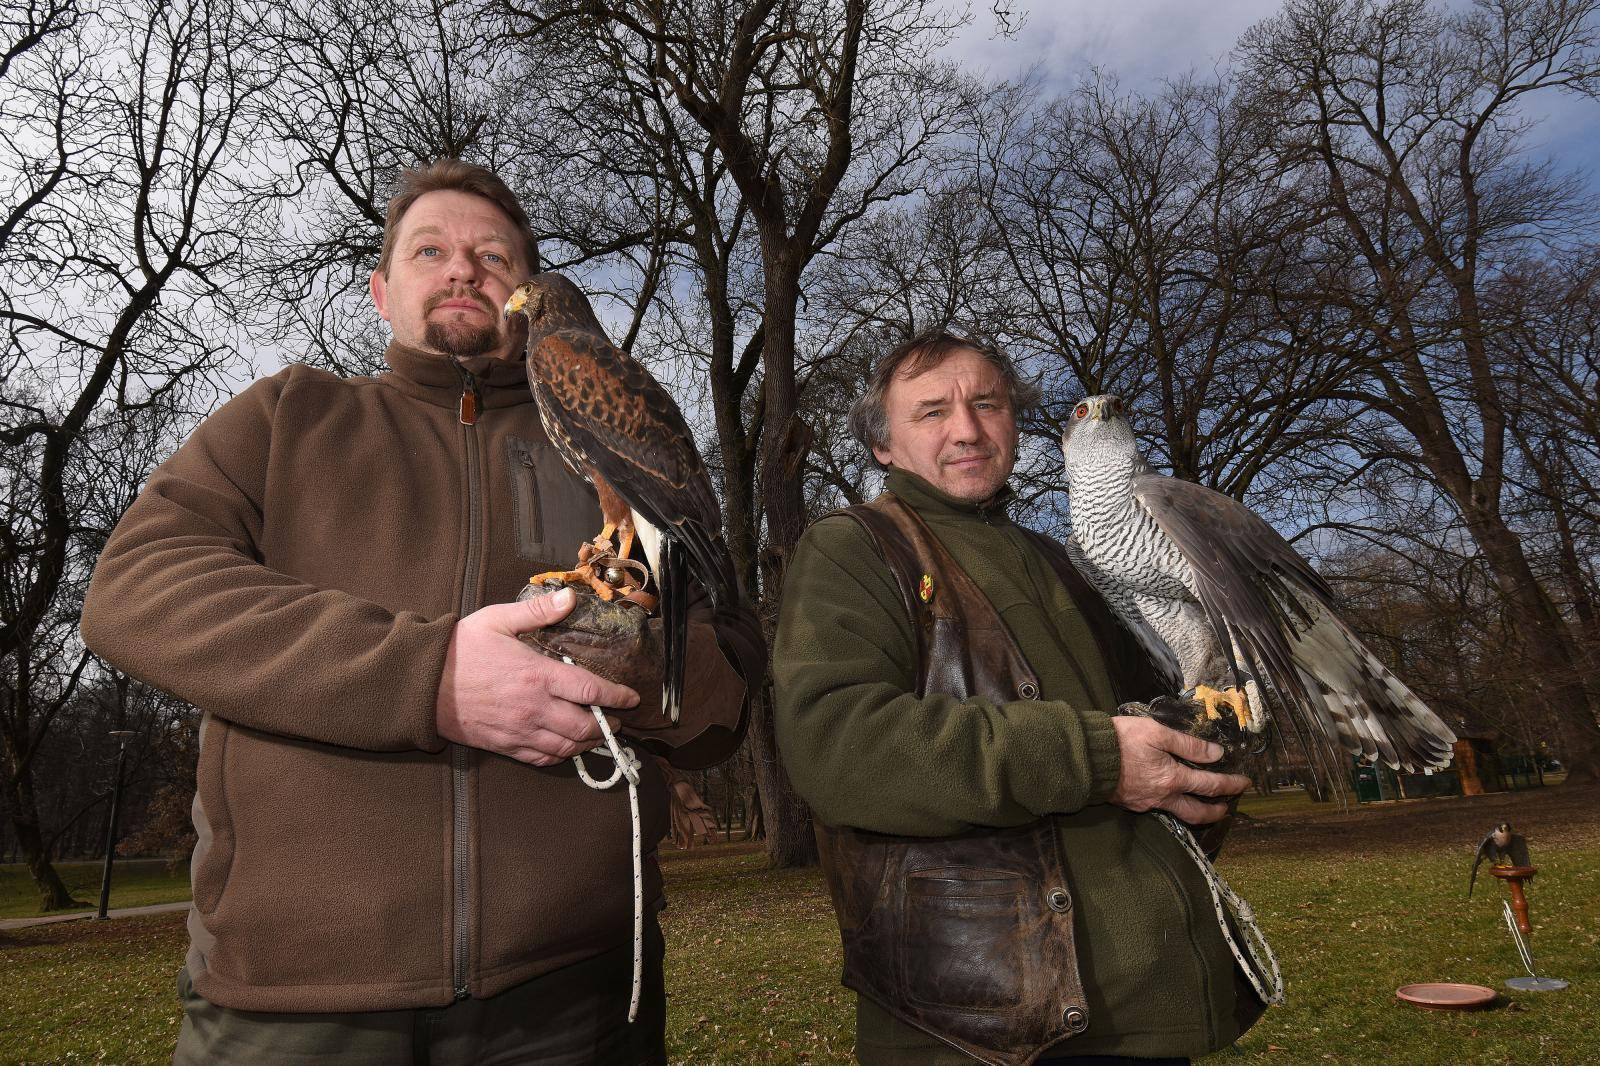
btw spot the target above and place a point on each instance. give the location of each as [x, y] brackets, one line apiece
[1098, 412]
[519, 302]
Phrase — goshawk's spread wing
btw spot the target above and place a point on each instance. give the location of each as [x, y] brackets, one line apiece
[1274, 617]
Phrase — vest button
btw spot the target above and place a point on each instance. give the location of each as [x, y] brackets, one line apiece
[1075, 1018]
[1058, 900]
[1028, 690]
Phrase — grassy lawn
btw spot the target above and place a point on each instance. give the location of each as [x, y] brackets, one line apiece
[1355, 904]
[134, 883]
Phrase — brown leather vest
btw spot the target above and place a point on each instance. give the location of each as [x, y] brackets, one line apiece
[969, 938]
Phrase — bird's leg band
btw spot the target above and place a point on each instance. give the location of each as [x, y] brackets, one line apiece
[584, 576]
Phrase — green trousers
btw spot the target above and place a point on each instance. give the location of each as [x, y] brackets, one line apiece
[575, 1016]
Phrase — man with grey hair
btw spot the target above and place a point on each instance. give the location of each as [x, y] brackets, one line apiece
[946, 683]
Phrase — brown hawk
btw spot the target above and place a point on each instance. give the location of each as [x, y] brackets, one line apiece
[617, 428]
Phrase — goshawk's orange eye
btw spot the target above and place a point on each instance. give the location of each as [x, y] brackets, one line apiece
[1082, 411]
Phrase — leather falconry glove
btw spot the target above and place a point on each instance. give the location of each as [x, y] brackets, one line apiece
[1188, 716]
[615, 640]
[619, 643]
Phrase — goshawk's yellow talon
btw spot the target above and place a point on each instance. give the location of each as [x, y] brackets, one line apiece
[1231, 697]
[1208, 698]
[1241, 707]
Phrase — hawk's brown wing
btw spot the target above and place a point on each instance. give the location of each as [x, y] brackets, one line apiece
[627, 427]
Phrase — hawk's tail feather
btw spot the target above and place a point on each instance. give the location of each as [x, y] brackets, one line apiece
[1373, 713]
[673, 585]
[1254, 664]
[713, 566]
[1297, 733]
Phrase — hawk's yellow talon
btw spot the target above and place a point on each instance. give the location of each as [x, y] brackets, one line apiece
[1231, 697]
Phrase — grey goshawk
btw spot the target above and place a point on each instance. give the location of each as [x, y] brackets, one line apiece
[1235, 617]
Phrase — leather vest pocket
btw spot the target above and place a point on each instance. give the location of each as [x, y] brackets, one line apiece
[959, 929]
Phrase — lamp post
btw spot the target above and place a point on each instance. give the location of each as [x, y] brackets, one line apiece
[122, 736]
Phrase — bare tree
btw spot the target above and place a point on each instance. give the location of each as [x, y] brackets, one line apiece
[1406, 116]
[933, 261]
[1150, 237]
[364, 89]
[818, 112]
[1547, 347]
[115, 258]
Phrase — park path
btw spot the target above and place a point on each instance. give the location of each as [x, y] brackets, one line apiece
[115, 912]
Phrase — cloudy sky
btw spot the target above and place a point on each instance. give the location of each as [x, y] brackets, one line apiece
[1143, 41]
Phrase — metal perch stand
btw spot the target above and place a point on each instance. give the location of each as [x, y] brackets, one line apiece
[1516, 915]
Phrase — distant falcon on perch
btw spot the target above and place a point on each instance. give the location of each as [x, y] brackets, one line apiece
[1237, 618]
[618, 429]
[1503, 847]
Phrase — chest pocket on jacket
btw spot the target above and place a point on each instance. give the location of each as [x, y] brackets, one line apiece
[554, 511]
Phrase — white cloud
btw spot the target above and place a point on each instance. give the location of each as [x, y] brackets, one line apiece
[1142, 41]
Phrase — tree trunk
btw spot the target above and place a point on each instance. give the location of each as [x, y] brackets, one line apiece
[1556, 663]
[755, 826]
[1579, 589]
[53, 894]
[784, 815]
[784, 440]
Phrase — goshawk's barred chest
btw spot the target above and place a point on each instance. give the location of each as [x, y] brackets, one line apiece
[1117, 535]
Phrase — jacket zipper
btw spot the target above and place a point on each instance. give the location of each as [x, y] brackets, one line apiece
[530, 519]
[460, 852]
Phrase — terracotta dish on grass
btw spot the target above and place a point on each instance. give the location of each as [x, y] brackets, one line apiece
[1446, 996]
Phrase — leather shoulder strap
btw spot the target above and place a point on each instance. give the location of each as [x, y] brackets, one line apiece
[912, 551]
[963, 646]
[893, 547]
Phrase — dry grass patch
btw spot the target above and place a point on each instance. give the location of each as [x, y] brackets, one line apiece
[1355, 904]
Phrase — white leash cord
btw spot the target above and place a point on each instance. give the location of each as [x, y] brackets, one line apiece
[1263, 975]
[627, 765]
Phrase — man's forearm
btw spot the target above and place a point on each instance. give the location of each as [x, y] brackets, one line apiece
[181, 599]
[262, 650]
[866, 751]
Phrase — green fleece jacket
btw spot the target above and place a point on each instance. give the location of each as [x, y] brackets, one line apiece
[866, 752]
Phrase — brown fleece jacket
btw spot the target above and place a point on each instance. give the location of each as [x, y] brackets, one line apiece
[295, 571]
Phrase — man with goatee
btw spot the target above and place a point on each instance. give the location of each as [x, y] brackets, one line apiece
[397, 861]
